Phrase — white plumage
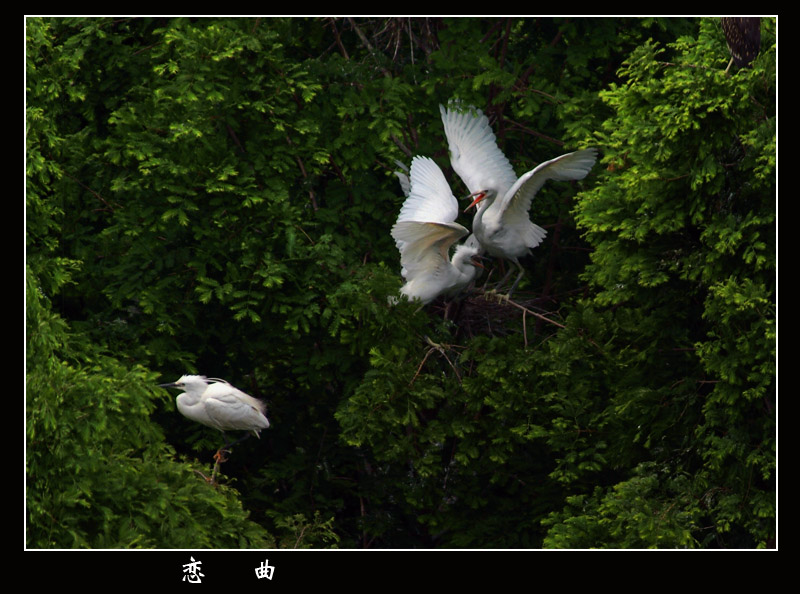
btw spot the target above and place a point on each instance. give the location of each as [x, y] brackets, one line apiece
[424, 232]
[216, 403]
[502, 223]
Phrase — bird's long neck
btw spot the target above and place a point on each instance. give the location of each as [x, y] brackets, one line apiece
[477, 220]
[187, 405]
[187, 399]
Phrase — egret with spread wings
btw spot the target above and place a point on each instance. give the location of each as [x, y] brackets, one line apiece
[424, 232]
[502, 222]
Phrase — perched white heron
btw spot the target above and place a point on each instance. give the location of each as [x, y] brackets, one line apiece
[424, 232]
[502, 225]
[215, 403]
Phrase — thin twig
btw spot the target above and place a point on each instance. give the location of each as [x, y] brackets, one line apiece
[533, 313]
[425, 358]
[304, 233]
[235, 138]
[88, 189]
[434, 347]
[339, 43]
[525, 327]
[368, 45]
[302, 166]
[535, 133]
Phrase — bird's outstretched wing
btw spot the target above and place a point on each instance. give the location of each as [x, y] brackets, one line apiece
[429, 197]
[426, 226]
[426, 246]
[517, 201]
[474, 154]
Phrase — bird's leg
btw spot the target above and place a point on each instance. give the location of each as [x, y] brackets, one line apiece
[504, 280]
[220, 455]
[516, 282]
[507, 297]
[488, 276]
[241, 439]
[493, 293]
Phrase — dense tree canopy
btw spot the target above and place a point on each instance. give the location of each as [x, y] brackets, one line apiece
[215, 195]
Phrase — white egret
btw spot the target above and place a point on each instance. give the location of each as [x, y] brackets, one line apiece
[424, 232]
[215, 403]
[503, 225]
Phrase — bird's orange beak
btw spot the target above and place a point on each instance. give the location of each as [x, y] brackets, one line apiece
[480, 195]
[476, 261]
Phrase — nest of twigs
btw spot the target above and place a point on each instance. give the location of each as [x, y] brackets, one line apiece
[494, 314]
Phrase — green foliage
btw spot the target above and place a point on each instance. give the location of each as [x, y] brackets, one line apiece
[683, 230]
[652, 509]
[99, 472]
[302, 535]
[215, 195]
